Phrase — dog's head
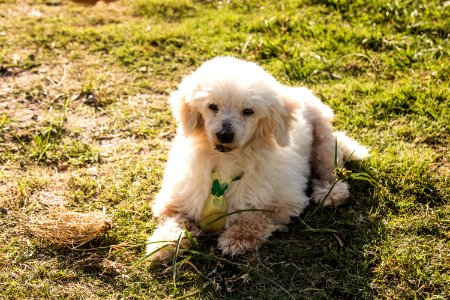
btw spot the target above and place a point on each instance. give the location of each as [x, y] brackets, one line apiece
[233, 103]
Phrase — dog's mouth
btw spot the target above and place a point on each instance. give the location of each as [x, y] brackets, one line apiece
[222, 148]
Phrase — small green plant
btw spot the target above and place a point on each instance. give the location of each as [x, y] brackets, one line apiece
[48, 139]
[42, 145]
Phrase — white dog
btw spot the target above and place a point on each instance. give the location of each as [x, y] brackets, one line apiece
[234, 118]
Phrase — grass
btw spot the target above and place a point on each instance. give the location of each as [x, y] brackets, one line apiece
[84, 124]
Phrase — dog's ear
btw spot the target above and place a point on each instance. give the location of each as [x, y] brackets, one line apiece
[188, 118]
[281, 116]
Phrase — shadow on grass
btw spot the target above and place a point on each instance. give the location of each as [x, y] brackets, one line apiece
[328, 256]
[322, 258]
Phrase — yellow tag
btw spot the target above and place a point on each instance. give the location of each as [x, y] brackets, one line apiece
[213, 215]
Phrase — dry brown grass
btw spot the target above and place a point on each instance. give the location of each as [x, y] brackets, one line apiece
[62, 227]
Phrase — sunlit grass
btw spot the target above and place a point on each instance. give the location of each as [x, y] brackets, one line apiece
[84, 123]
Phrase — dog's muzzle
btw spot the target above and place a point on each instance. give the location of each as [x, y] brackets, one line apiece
[226, 134]
[223, 148]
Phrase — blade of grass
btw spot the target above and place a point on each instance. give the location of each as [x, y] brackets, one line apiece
[174, 259]
[193, 293]
[191, 239]
[165, 246]
[322, 201]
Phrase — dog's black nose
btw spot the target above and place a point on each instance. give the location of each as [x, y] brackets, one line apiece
[226, 134]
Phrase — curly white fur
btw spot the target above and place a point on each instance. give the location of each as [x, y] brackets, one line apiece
[234, 117]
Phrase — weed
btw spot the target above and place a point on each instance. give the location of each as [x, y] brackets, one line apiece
[42, 144]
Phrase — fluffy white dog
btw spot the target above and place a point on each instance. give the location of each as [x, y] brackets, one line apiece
[234, 118]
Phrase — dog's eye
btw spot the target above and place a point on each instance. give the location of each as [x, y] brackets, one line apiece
[213, 107]
[247, 112]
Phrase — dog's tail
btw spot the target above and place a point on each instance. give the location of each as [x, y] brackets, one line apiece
[350, 148]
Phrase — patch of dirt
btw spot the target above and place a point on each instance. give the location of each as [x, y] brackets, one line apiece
[112, 12]
[109, 129]
[32, 97]
[34, 187]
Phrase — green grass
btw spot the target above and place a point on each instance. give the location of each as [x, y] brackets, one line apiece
[84, 123]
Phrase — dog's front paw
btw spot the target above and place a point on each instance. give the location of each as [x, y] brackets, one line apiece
[236, 241]
[161, 245]
[236, 246]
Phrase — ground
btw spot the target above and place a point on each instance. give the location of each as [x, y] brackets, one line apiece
[84, 124]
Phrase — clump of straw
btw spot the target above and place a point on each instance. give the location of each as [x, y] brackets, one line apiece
[62, 227]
